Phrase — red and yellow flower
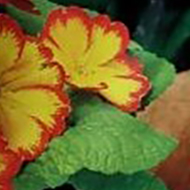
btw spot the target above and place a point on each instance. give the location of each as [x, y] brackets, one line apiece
[92, 51]
[33, 106]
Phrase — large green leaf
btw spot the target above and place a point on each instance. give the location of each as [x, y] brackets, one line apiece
[102, 139]
[86, 180]
[160, 72]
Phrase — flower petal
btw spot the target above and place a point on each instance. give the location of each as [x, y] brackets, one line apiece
[33, 67]
[97, 79]
[100, 63]
[97, 40]
[6, 185]
[126, 92]
[125, 84]
[108, 40]
[11, 42]
[120, 66]
[41, 109]
[60, 35]
[9, 165]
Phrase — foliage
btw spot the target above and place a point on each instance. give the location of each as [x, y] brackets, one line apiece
[102, 139]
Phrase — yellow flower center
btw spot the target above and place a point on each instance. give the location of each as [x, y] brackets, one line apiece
[81, 71]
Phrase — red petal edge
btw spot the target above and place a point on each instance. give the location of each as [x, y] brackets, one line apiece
[8, 24]
[117, 27]
[137, 75]
[13, 163]
[59, 121]
[6, 185]
[63, 15]
[103, 21]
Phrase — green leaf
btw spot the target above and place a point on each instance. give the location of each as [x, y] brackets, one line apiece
[86, 180]
[160, 72]
[44, 6]
[31, 24]
[102, 139]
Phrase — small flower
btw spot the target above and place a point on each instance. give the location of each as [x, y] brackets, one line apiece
[92, 51]
[25, 5]
[33, 106]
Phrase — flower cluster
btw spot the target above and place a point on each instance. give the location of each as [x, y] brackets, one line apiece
[32, 103]
[92, 52]
[74, 48]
